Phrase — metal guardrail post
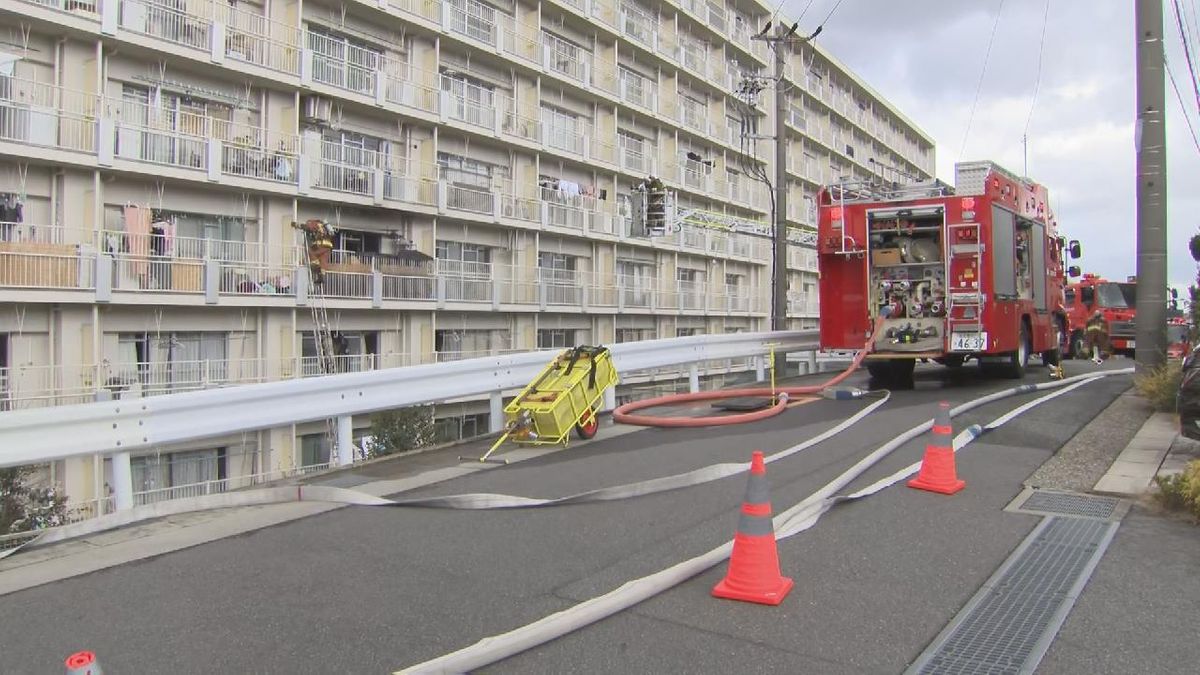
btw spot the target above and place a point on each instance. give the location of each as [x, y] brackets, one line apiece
[495, 411]
[345, 440]
[122, 472]
[693, 378]
[760, 371]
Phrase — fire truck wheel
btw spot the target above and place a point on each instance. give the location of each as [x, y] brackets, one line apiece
[893, 372]
[1019, 360]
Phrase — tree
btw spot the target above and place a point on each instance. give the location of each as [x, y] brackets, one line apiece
[1194, 290]
[400, 430]
[24, 507]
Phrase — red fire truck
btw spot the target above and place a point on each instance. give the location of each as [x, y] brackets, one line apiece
[970, 272]
[1116, 301]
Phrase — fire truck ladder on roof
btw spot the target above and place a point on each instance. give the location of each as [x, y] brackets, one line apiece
[966, 295]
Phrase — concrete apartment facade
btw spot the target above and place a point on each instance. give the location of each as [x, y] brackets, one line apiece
[477, 158]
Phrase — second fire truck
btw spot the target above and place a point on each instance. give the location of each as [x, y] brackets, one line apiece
[949, 274]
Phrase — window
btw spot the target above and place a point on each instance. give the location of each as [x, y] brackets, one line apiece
[633, 87]
[564, 57]
[633, 334]
[473, 19]
[466, 172]
[467, 343]
[464, 260]
[555, 338]
[152, 473]
[314, 449]
[688, 274]
[562, 129]
[160, 363]
[456, 428]
[685, 332]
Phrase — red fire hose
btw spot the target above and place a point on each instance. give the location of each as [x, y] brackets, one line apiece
[622, 414]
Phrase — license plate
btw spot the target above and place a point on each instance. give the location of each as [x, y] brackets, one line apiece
[968, 342]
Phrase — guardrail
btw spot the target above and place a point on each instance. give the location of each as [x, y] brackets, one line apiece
[119, 426]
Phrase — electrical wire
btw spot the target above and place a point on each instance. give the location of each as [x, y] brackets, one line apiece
[827, 17]
[979, 87]
[1182, 108]
[1187, 52]
[1037, 83]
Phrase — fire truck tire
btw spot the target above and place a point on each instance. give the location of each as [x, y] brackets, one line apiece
[1019, 360]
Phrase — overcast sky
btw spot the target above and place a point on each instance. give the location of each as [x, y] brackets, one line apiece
[926, 56]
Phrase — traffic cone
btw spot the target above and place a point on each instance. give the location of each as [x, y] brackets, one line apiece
[753, 574]
[83, 663]
[937, 469]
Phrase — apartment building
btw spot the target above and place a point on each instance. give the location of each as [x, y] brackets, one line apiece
[476, 158]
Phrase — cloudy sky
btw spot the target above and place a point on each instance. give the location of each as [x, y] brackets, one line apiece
[926, 56]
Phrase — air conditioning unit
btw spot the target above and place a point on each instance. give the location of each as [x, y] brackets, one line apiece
[316, 109]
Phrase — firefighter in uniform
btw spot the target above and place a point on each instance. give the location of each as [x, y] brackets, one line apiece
[1097, 337]
[656, 204]
[319, 236]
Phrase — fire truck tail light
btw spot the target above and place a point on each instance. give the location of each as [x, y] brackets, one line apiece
[968, 203]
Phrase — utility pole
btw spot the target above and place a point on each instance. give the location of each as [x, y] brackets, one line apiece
[1150, 139]
[781, 41]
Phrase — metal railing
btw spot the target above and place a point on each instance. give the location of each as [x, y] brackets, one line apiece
[45, 115]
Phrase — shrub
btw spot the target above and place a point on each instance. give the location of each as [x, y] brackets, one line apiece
[401, 430]
[1160, 385]
[24, 507]
[1181, 492]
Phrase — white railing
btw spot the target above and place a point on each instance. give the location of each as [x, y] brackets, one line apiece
[44, 115]
[636, 89]
[38, 436]
[45, 266]
[474, 20]
[472, 199]
[563, 57]
[163, 21]
[637, 24]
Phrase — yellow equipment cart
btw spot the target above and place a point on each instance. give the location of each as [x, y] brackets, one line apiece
[566, 395]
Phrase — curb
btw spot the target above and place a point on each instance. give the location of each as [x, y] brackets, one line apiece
[1133, 472]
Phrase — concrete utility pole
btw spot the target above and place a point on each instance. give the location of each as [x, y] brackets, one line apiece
[782, 42]
[1150, 139]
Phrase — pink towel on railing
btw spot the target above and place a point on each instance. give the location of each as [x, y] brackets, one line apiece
[137, 235]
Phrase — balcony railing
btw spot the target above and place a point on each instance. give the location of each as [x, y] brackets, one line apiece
[470, 199]
[562, 57]
[44, 115]
[639, 26]
[474, 20]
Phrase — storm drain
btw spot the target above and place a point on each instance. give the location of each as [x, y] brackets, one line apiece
[1044, 502]
[1009, 624]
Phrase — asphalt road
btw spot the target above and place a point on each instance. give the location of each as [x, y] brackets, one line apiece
[368, 590]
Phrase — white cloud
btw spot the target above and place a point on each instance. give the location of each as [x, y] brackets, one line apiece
[925, 57]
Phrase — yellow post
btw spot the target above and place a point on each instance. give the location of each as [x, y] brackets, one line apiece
[771, 365]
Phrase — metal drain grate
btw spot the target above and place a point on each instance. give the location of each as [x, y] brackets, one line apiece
[1009, 624]
[1063, 503]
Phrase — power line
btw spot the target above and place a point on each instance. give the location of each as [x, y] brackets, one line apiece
[828, 16]
[1179, 97]
[1037, 83]
[1187, 52]
[979, 87]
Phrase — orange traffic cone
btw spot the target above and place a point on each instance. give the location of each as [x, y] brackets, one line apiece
[937, 469]
[753, 574]
[83, 663]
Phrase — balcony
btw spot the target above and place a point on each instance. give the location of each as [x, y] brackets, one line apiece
[636, 90]
[566, 59]
[356, 170]
[472, 19]
[639, 161]
[638, 25]
[694, 116]
[43, 115]
[218, 29]
[471, 110]
[692, 295]
[471, 199]
[561, 287]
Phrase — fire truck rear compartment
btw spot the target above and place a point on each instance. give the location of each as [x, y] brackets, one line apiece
[906, 280]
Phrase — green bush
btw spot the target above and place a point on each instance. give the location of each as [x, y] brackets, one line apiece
[400, 430]
[1181, 492]
[1160, 385]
